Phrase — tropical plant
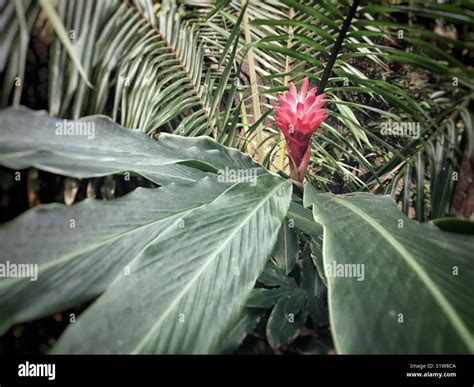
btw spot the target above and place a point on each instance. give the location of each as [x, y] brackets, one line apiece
[210, 246]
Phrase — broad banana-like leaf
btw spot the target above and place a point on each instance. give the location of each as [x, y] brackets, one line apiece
[395, 285]
[81, 249]
[185, 292]
[97, 146]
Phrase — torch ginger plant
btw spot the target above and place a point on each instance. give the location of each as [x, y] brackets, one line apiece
[298, 117]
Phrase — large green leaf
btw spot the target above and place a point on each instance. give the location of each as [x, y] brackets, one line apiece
[81, 249]
[194, 248]
[416, 295]
[185, 292]
[32, 138]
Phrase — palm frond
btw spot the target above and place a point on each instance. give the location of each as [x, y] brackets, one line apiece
[141, 59]
[16, 20]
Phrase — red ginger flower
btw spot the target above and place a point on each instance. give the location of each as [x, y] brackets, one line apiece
[298, 117]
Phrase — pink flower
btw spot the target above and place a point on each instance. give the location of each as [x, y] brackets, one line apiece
[298, 117]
